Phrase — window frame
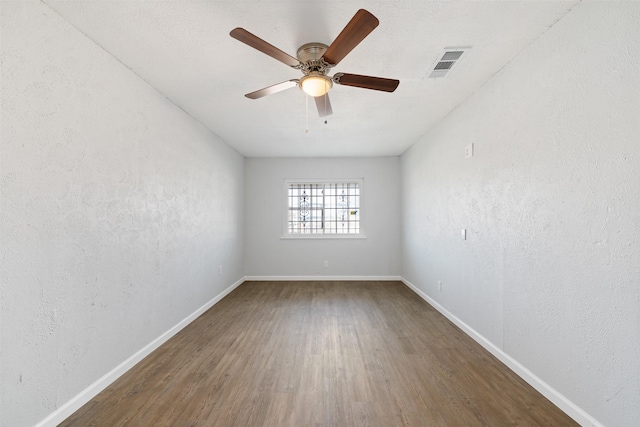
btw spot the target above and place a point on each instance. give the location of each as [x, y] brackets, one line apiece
[285, 224]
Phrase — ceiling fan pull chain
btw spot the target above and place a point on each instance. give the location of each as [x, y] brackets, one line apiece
[325, 106]
[306, 103]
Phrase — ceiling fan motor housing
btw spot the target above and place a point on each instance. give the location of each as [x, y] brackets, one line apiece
[310, 51]
[315, 81]
[310, 57]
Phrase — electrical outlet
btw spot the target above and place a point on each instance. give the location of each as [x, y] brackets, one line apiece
[468, 151]
[219, 269]
[440, 285]
[326, 264]
[463, 234]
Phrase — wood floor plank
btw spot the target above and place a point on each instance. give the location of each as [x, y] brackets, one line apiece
[320, 354]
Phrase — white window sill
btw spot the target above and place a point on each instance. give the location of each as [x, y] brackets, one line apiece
[322, 236]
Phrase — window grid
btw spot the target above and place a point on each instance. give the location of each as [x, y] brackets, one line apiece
[324, 208]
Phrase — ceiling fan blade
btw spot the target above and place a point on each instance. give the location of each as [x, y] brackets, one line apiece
[324, 105]
[362, 23]
[257, 43]
[366, 82]
[272, 89]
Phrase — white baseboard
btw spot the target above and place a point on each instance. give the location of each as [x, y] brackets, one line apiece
[319, 278]
[64, 411]
[568, 407]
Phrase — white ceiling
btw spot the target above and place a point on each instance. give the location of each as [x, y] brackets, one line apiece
[183, 49]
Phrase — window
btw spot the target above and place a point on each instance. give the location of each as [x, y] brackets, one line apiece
[323, 208]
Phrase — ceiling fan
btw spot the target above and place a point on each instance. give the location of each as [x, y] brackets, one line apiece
[315, 60]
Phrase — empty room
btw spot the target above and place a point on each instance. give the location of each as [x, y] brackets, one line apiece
[306, 213]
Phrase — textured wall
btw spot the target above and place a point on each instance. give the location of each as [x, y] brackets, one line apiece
[117, 209]
[266, 254]
[551, 200]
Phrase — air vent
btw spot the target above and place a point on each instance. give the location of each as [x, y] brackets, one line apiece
[443, 65]
[446, 60]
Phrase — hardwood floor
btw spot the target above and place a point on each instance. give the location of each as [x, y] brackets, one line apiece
[320, 354]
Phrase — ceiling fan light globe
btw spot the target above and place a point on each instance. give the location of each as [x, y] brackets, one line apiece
[315, 85]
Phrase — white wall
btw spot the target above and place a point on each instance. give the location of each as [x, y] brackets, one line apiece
[117, 209]
[266, 254]
[551, 200]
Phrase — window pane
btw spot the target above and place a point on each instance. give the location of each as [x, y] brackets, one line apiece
[327, 208]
